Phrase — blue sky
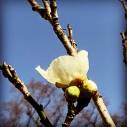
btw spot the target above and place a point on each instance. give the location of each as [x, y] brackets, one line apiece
[29, 41]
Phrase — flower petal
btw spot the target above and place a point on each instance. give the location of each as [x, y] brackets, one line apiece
[66, 68]
[49, 77]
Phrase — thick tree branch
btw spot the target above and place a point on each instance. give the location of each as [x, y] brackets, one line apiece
[10, 73]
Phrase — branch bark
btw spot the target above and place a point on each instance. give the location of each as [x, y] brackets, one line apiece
[10, 73]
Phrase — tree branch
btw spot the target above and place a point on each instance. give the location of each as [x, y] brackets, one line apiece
[35, 5]
[70, 115]
[124, 3]
[53, 6]
[124, 34]
[70, 32]
[52, 17]
[98, 101]
[47, 9]
[10, 73]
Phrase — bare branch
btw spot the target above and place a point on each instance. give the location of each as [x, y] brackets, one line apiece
[52, 17]
[47, 9]
[53, 6]
[70, 33]
[70, 115]
[59, 30]
[124, 34]
[39, 9]
[124, 44]
[10, 73]
[35, 5]
[98, 101]
[124, 3]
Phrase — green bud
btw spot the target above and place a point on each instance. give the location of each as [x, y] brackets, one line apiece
[72, 93]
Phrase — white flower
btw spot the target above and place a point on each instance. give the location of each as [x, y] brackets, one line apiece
[65, 69]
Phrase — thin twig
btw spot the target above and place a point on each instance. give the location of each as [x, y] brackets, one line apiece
[10, 73]
[124, 3]
[124, 34]
[53, 6]
[47, 9]
[70, 115]
[70, 33]
[124, 44]
[35, 5]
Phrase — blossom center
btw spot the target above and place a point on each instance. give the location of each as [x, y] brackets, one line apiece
[77, 82]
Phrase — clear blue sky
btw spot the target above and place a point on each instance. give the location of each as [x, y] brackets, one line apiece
[30, 41]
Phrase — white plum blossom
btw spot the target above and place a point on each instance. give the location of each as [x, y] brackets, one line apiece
[65, 69]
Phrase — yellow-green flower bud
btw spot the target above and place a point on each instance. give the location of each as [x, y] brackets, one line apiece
[89, 86]
[72, 93]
